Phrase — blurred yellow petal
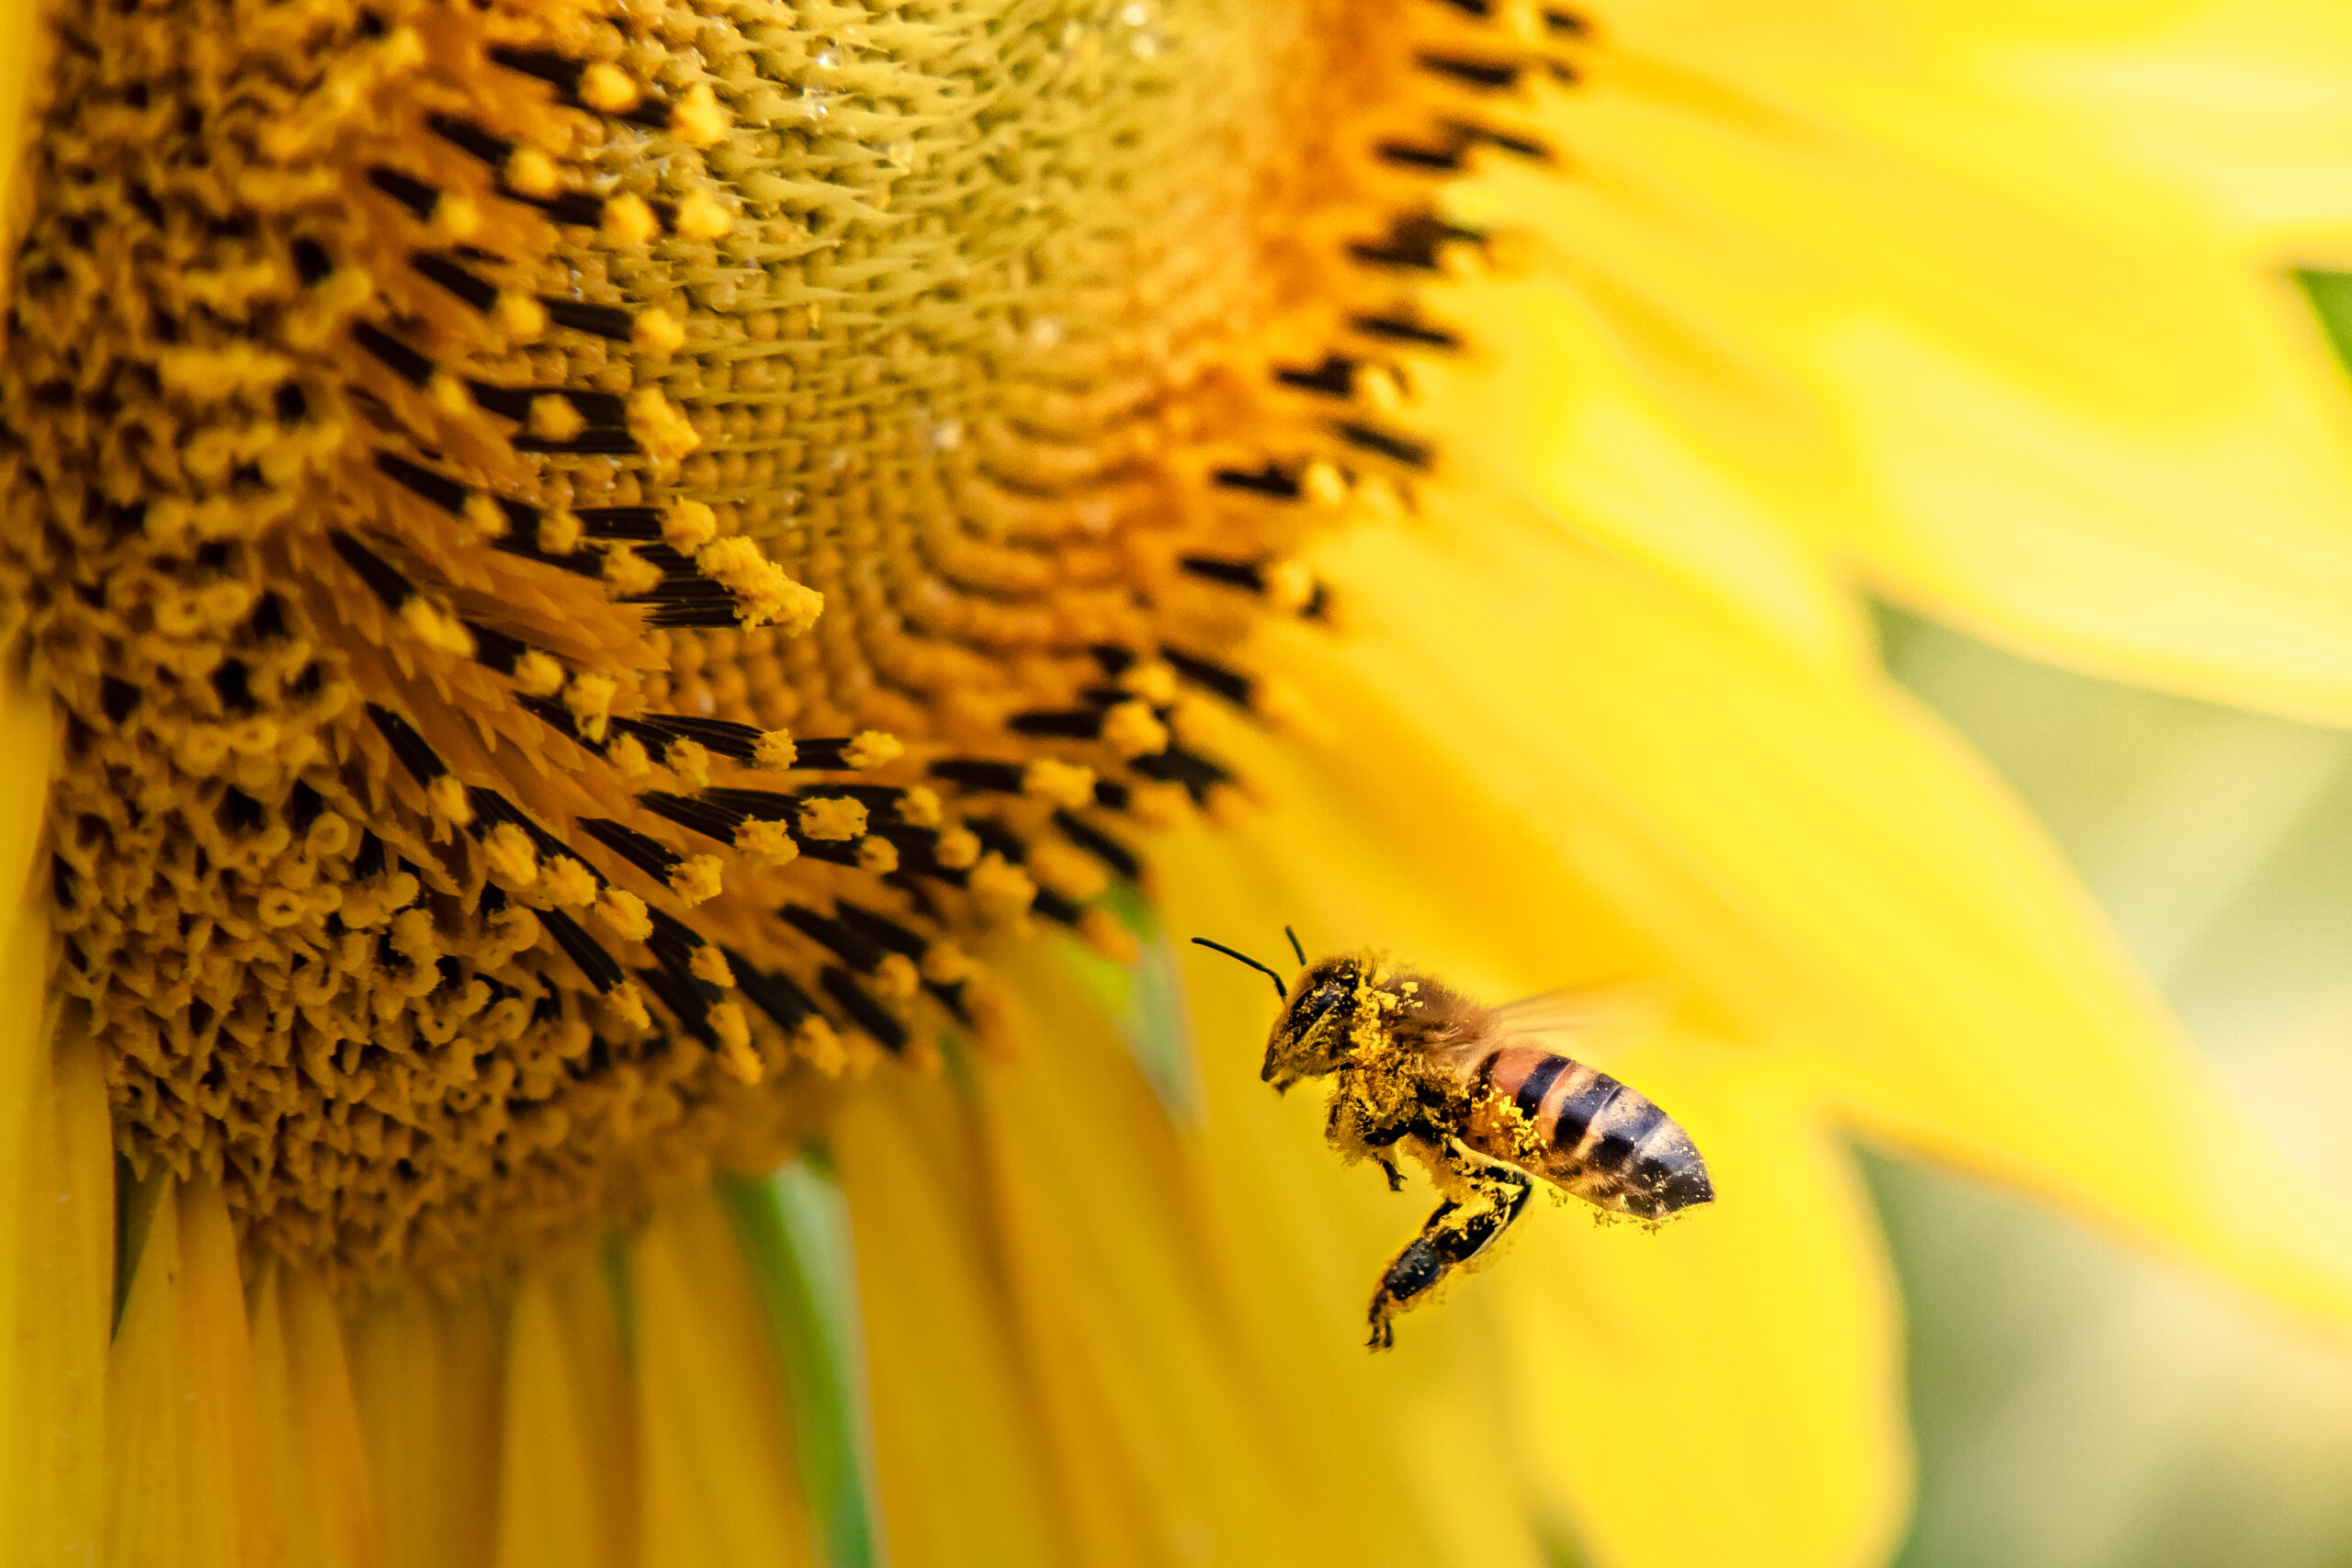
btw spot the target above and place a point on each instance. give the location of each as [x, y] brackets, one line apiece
[426, 1374]
[317, 1461]
[714, 1437]
[186, 1484]
[1640, 786]
[1729, 1389]
[966, 1477]
[1878, 288]
[56, 1280]
[557, 1504]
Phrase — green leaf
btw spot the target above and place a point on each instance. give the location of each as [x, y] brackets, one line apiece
[2330, 295]
[794, 1226]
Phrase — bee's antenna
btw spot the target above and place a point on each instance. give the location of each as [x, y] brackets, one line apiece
[1220, 947]
[1294, 947]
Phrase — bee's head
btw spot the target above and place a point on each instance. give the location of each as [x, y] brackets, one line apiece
[1316, 1029]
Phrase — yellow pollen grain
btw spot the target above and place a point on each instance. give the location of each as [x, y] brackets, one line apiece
[835, 819]
[1071, 873]
[767, 842]
[513, 860]
[709, 963]
[775, 752]
[876, 856]
[690, 759]
[1131, 729]
[1002, 890]
[608, 89]
[688, 525]
[735, 1053]
[628, 574]
[697, 879]
[589, 699]
[1158, 804]
[626, 1003]
[630, 758]
[919, 807]
[554, 418]
[944, 962]
[537, 674]
[762, 590]
[1377, 386]
[456, 218]
[533, 172]
[569, 882]
[1063, 783]
[872, 748]
[558, 532]
[697, 119]
[623, 913]
[660, 429]
[958, 849]
[897, 977]
[447, 799]
[1152, 680]
[436, 628]
[657, 331]
[488, 517]
[520, 317]
[1290, 585]
[703, 217]
[628, 220]
[1325, 485]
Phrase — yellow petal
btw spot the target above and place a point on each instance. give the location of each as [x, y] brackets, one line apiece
[185, 1482]
[1727, 1390]
[554, 1510]
[715, 1441]
[317, 1461]
[56, 1277]
[1905, 286]
[427, 1373]
[942, 1360]
[1631, 785]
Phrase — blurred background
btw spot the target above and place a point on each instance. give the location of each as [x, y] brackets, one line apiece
[2079, 1405]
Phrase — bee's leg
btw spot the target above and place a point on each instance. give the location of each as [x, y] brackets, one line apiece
[1379, 1145]
[1454, 1235]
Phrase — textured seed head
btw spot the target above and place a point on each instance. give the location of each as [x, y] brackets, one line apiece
[575, 546]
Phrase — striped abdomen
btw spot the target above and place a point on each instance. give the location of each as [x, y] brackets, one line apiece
[1555, 1118]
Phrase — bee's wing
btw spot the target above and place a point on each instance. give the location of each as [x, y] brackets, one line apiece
[1575, 1012]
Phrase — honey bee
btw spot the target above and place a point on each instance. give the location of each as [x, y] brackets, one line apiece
[1478, 1098]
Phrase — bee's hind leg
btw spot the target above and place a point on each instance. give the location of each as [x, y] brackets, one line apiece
[1454, 1235]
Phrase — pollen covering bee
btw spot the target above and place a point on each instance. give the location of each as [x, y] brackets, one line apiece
[1478, 1098]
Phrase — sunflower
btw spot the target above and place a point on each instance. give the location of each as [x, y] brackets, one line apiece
[614, 603]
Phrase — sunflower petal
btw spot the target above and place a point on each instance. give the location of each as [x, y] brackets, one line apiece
[56, 1280]
[318, 1465]
[553, 1509]
[1728, 1389]
[426, 1374]
[715, 1441]
[1640, 786]
[1907, 288]
[943, 1366]
[185, 1482]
